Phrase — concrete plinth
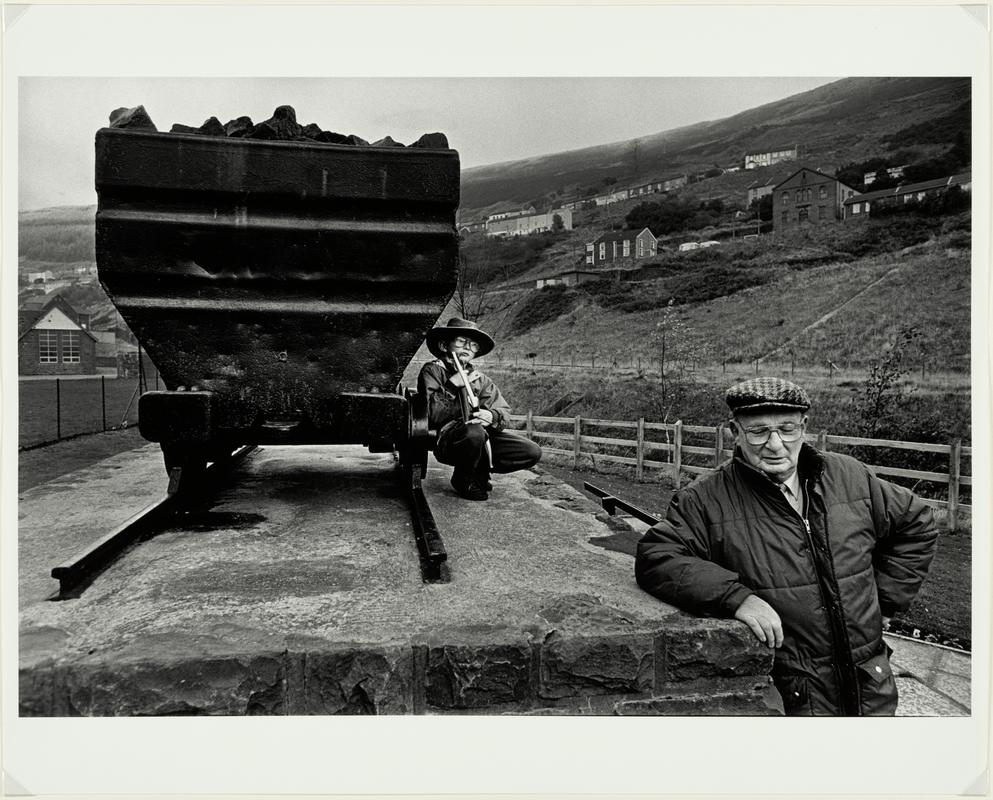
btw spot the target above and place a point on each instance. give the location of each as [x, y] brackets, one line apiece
[298, 591]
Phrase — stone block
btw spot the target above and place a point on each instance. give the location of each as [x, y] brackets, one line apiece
[474, 668]
[132, 118]
[41, 692]
[576, 665]
[232, 685]
[763, 701]
[709, 648]
[356, 679]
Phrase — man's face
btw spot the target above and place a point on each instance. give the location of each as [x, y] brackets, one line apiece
[774, 457]
[463, 347]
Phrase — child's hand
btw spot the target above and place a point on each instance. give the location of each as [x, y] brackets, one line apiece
[481, 417]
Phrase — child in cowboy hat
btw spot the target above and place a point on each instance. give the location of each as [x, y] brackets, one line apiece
[462, 444]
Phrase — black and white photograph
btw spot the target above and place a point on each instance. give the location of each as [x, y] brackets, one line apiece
[438, 413]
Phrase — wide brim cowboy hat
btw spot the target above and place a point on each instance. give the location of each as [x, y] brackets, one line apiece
[459, 327]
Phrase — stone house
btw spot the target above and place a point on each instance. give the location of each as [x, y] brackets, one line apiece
[808, 197]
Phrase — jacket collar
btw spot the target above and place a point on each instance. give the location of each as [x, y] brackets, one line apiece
[810, 465]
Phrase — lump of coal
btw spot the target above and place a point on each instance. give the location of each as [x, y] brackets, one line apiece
[312, 131]
[386, 141]
[353, 139]
[212, 127]
[330, 137]
[178, 128]
[133, 118]
[434, 141]
[237, 128]
[282, 125]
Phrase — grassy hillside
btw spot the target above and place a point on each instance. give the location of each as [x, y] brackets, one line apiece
[61, 235]
[807, 298]
[848, 120]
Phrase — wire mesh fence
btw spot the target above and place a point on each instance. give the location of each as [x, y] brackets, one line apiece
[53, 409]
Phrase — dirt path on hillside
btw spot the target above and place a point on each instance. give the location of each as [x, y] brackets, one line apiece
[832, 312]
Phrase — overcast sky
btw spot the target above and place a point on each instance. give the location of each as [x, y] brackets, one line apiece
[488, 120]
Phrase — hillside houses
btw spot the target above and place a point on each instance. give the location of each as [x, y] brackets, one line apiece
[859, 205]
[617, 245]
[808, 197]
[770, 157]
[524, 224]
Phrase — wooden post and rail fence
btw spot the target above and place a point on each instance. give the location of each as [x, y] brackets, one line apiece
[576, 444]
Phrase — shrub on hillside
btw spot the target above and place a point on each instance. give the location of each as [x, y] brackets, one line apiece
[57, 243]
[544, 305]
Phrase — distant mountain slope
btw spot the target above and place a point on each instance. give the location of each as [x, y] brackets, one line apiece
[848, 120]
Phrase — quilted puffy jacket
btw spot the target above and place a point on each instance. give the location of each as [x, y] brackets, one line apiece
[862, 554]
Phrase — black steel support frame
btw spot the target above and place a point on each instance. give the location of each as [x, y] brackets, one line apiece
[612, 504]
[78, 572]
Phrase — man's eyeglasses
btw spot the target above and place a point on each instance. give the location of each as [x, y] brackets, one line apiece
[468, 344]
[789, 432]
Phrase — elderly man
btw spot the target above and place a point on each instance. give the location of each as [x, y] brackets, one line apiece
[810, 550]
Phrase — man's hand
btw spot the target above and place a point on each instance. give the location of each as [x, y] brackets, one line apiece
[481, 417]
[762, 618]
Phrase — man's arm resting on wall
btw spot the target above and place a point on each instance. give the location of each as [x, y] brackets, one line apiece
[673, 562]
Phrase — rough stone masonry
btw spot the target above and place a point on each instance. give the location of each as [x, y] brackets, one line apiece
[298, 592]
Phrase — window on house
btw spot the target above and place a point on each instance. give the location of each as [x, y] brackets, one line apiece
[603, 251]
[822, 193]
[614, 250]
[785, 217]
[786, 198]
[803, 215]
[799, 195]
[822, 212]
[627, 247]
[70, 347]
[856, 208]
[589, 258]
[48, 347]
[809, 195]
[641, 248]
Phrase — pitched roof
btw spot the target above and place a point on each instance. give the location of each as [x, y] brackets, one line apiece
[810, 169]
[29, 315]
[618, 236]
[910, 188]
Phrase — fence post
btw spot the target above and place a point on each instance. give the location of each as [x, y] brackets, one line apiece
[639, 452]
[103, 400]
[576, 426]
[954, 470]
[718, 445]
[58, 409]
[529, 425]
[822, 442]
[677, 451]
[593, 361]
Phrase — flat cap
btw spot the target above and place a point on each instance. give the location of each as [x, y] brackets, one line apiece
[756, 394]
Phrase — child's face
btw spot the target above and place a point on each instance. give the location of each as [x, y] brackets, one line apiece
[463, 347]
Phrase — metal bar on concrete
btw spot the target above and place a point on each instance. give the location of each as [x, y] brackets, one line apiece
[434, 558]
[611, 504]
[77, 573]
